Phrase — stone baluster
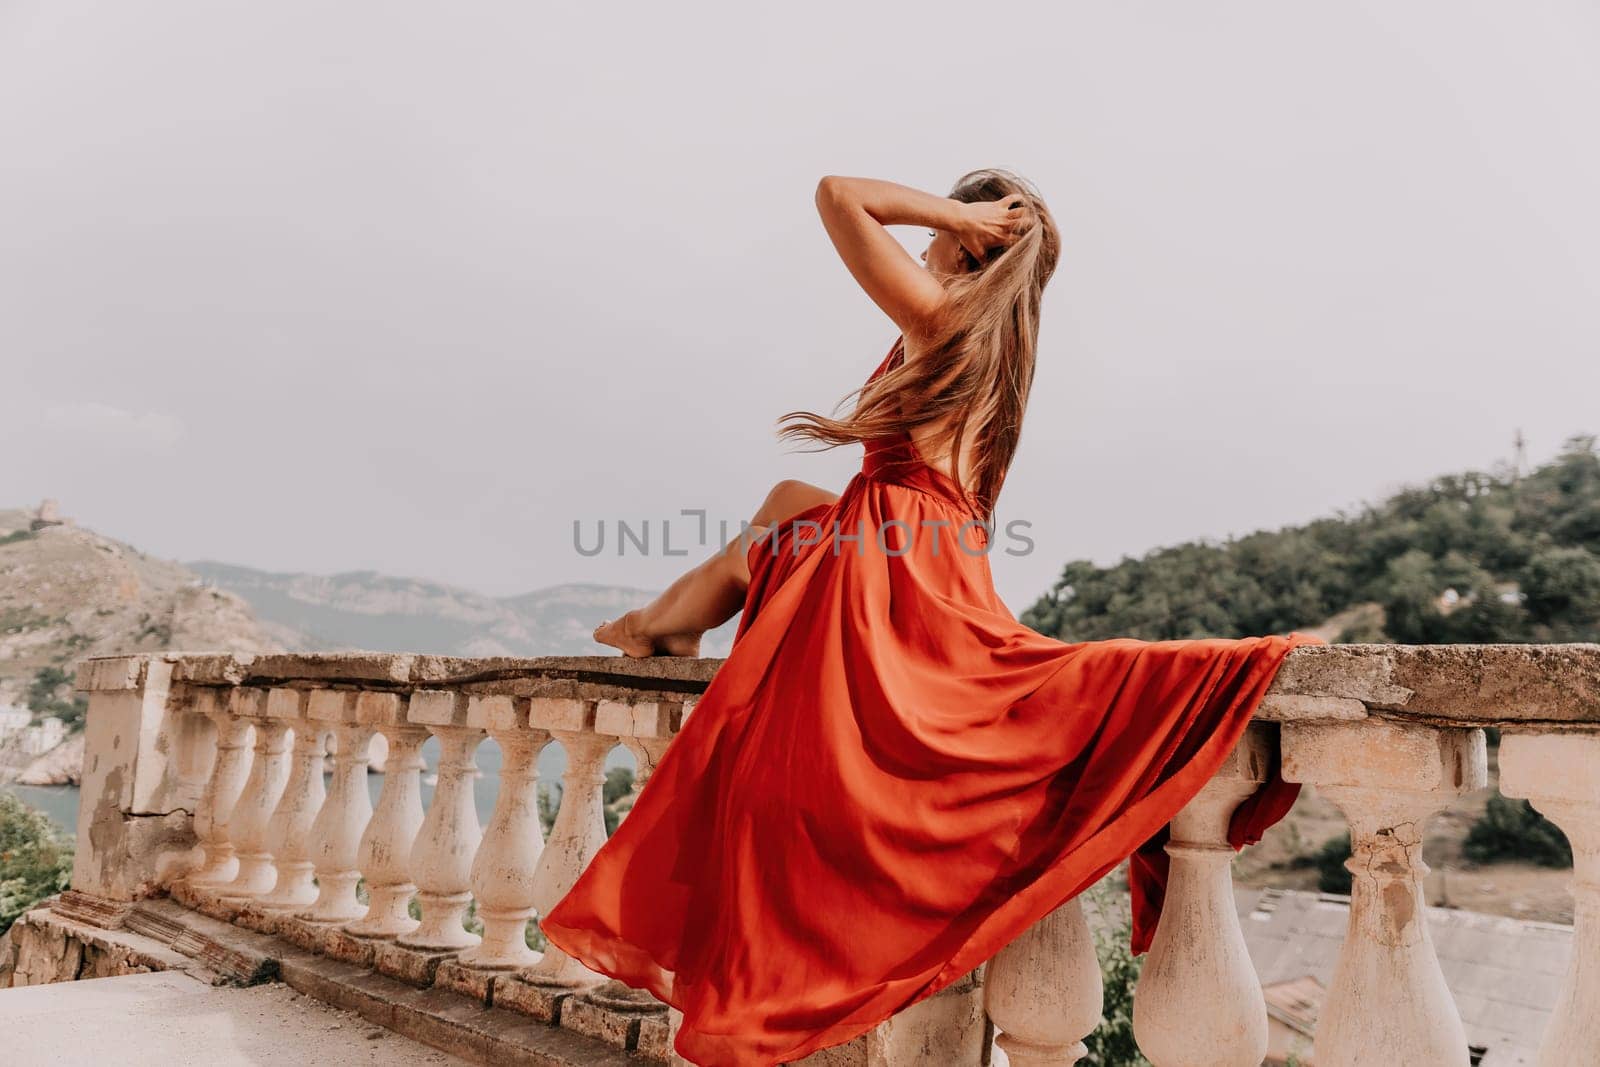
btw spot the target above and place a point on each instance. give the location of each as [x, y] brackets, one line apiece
[193, 743]
[269, 770]
[645, 729]
[1199, 1001]
[384, 855]
[1044, 992]
[1558, 774]
[580, 827]
[1388, 1002]
[289, 829]
[336, 833]
[222, 790]
[441, 857]
[502, 873]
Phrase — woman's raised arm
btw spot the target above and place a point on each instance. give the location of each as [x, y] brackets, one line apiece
[855, 212]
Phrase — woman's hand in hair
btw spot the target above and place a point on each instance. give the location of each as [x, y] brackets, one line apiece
[991, 223]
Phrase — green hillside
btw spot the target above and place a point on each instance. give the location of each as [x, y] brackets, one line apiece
[1471, 557]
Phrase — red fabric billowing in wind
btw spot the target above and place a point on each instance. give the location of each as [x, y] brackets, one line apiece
[890, 778]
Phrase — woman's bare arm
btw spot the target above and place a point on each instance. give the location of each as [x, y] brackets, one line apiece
[855, 211]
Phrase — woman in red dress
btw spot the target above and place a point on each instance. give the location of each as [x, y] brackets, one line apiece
[890, 777]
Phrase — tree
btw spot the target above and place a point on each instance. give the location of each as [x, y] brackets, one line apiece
[1411, 589]
[1562, 586]
[35, 859]
[549, 802]
[619, 783]
[618, 787]
[1522, 554]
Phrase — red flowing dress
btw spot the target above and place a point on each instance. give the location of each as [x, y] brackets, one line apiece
[891, 778]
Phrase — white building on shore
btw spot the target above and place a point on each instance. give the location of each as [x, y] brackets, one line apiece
[13, 720]
[22, 735]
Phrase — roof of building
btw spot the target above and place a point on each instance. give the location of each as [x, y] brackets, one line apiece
[1296, 1003]
[1505, 973]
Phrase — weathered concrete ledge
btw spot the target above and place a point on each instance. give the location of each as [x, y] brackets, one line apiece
[1442, 685]
[590, 677]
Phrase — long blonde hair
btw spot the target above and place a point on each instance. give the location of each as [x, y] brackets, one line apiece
[978, 364]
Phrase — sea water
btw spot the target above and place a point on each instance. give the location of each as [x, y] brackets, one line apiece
[60, 802]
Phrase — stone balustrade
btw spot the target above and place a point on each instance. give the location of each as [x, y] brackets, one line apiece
[204, 779]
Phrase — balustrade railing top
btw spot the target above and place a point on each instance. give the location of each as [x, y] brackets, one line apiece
[591, 676]
[1445, 685]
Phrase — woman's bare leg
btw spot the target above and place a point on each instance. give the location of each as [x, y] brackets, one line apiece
[711, 593]
[703, 598]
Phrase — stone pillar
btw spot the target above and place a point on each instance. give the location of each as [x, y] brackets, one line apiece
[269, 770]
[1043, 991]
[222, 790]
[580, 827]
[289, 830]
[502, 873]
[191, 756]
[336, 833]
[1560, 774]
[134, 828]
[1199, 1001]
[441, 857]
[645, 729]
[384, 855]
[1388, 1002]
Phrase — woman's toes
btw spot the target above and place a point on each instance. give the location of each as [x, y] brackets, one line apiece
[619, 635]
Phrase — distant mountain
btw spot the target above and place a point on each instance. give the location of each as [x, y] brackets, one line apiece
[67, 592]
[365, 609]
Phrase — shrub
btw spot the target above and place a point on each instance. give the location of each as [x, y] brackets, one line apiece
[1111, 1044]
[1513, 830]
[619, 783]
[44, 697]
[1332, 875]
[618, 786]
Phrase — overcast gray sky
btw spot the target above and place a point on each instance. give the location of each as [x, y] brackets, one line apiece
[413, 286]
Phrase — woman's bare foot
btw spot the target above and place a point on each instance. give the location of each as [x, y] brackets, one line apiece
[624, 633]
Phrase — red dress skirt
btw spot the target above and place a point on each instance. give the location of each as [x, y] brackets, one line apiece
[891, 778]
